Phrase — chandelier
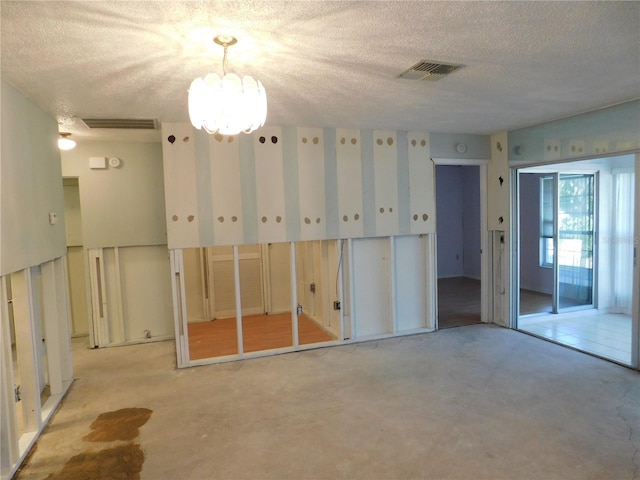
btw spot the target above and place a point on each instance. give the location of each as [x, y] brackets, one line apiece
[227, 105]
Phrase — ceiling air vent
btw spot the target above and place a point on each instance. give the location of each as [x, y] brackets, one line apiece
[430, 70]
[124, 123]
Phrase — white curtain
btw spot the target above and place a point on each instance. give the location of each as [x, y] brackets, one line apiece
[623, 200]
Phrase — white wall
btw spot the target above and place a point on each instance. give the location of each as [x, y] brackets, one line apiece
[120, 206]
[123, 224]
[30, 185]
[31, 259]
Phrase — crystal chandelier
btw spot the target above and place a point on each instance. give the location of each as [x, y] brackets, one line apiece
[227, 105]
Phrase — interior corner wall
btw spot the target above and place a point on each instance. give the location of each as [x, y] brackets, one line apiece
[121, 206]
[30, 185]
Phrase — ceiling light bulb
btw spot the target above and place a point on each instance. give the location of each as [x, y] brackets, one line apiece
[65, 143]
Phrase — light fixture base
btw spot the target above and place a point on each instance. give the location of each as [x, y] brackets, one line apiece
[225, 40]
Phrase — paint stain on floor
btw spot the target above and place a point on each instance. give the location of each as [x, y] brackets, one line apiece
[122, 424]
[121, 463]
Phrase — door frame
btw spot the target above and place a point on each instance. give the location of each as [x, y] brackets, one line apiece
[515, 253]
[486, 297]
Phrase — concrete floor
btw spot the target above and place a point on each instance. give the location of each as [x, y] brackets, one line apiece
[475, 402]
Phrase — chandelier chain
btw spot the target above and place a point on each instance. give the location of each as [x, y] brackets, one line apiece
[224, 59]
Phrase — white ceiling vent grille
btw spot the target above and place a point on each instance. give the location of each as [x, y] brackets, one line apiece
[430, 70]
[123, 123]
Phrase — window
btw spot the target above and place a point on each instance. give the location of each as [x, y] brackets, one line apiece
[546, 222]
[575, 220]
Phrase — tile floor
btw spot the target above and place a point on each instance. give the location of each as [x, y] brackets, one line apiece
[606, 335]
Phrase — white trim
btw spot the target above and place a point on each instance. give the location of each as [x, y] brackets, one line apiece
[236, 279]
[392, 285]
[294, 295]
[485, 245]
[432, 279]
[9, 441]
[635, 309]
[179, 309]
[460, 161]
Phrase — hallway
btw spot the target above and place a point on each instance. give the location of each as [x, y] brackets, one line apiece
[471, 402]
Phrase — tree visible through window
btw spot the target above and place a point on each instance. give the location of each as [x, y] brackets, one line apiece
[575, 220]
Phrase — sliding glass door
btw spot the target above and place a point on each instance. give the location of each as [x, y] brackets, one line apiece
[567, 232]
[575, 241]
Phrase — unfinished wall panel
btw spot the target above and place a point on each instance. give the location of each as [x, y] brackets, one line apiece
[349, 164]
[226, 190]
[410, 273]
[421, 185]
[180, 185]
[270, 198]
[385, 162]
[311, 184]
[371, 296]
[147, 306]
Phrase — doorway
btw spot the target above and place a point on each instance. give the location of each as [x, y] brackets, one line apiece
[575, 230]
[78, 293]
[458, 217]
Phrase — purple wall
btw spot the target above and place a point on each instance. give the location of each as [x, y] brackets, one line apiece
[458, 221]
[532, 276]
[471, 221]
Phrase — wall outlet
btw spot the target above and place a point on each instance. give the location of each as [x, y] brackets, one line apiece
[336, 305]
[53, 218]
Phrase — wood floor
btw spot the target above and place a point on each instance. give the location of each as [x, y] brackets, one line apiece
[458, 302]
[534, 302]
[260, 332]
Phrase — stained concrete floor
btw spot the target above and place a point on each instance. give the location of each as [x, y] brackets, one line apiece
[475, 402]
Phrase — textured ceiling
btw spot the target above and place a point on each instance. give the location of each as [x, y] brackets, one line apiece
[327, 63]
